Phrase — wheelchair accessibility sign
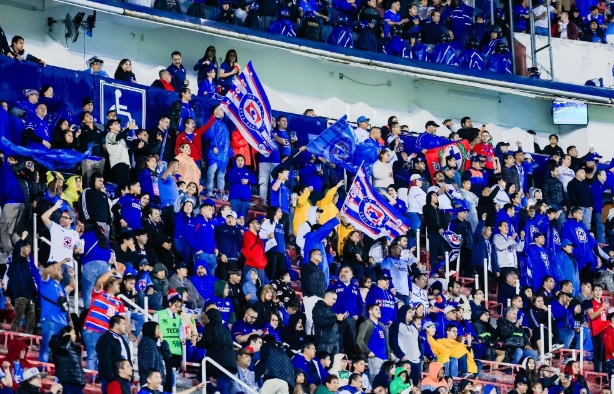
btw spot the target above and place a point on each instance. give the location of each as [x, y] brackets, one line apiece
[127, 101]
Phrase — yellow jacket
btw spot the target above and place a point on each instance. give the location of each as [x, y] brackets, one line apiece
[458, 350]
[343, 232]
[439, 350]
[300, 212]
[327, 205]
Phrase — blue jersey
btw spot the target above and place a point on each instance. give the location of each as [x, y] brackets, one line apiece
[392, 17]
[204, 236]
[40, 129]
[499, 63]
[178, 75]
[537, 266]
[348, 298]
[419, 52]
[281, 198]
[386, 301]
[207, 88]
[50, 291]
[377, 342]
[282, 27]
[520, 20]
[131, 211]
[224, 305]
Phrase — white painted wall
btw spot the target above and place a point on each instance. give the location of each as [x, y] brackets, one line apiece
[295, 82]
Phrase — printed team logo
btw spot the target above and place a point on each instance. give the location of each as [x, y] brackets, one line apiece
[457, 151]
[142, 285]
[581, 235]
[111, 311]
[340, 149]
[371, 214]
[67, 243]
[532, 231]
[251, 112]
[544, 257]
[381, 334]
[557, 238]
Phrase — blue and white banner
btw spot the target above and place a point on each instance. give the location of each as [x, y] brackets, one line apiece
[52, 159]
[370, 212]
[337, 144]
[247, 105]
[128, 102]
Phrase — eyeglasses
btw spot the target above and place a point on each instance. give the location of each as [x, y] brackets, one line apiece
[66, 217]
[252, 317]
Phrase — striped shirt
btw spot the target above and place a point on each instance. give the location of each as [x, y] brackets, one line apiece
[104, 307]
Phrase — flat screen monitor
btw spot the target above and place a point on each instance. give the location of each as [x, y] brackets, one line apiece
[567, 112]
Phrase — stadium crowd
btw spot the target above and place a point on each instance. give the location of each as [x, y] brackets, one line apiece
[182, 234]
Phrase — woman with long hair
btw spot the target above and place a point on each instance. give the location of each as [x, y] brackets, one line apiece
[382, 171]
[354, 253]
[434, 226]
[124, 71]
[184, 230]
[229, 70]
[416, 200]
[240, 179]
[204, 63]
[364, 285]
[16, 358]
[273, 232]
[95, 259]
[266, 305]
[190, 194]
[148, 179]
[188, 170]
[572, 368]
[145, 200]
[154, 352]
[66, 353]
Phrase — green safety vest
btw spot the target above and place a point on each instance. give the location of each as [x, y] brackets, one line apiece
[170, 330]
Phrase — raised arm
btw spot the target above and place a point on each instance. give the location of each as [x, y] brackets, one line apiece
[45, 217]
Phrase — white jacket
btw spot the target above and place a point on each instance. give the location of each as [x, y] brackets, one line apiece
[118, 151]
[381, 174]
[416, 199]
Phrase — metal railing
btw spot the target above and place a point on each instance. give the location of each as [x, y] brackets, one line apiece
[223, 370]
[136, 307]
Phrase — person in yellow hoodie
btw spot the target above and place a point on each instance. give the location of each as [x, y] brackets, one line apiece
[329, 203]
[302, 206]
[74, 188]
[456, 350]
[344, 229]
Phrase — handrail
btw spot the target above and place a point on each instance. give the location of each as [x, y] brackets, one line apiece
[135, 306]
[226, 372]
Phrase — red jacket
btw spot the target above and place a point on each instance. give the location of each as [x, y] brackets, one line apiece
[196, 145]
[607, 336]
[253, 251]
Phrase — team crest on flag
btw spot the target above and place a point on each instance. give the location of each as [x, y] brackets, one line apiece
[247, 105]
[581, 235]
[337, 144]
[370, 213]
[457, 149]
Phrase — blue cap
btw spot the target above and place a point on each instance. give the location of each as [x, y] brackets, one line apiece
[566, 242]
[209, 202]
[427, 324]
[462, 209]
[362, 119]
[477, 158]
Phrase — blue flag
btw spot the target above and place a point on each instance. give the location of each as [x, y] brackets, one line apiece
[455, 242]
[370, 212]
[247, 105]
[53, 159]
[337, 144]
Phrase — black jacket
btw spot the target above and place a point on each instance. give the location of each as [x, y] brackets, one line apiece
[275, 364]
[168, 6]
[237, 295]
[93, 204]
[432, 218]
[549, 150]
[350, 250]
[463, 228]
[312, 280]
[291, 336]
[21, 283]
[579, 194]
[509, 335]
[552, 191]
[109, 350]
[265, 310]
[175, 116]
[510, 175]
[325, 323]
[217, 341]
[150, 356]
[27, 388]
[4, 44]
[122, 75]
[93, 136]
[67, 360]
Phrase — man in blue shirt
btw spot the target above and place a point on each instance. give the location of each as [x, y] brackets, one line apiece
[203, 242]
[243, 329]
[350, 301]
[393, 18]
[178, 72]
[521, 16]
[280, 197]
[429, 139]
[168, 194]
[373, 340]
[368, 151]
[130, 207]
[381, 296]
[54, 305]
[37, 133]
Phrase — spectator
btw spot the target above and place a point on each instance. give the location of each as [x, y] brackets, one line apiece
[178, 72]
[18, 52]
[312, 277]
[382, 171]
[326, 323]
[280, 197]
[403, 335]
[566, 29]
[434, 379]
[180, 279]
[514, 340]
[21, 287]
[33, 382]
[91, 134]
[607, 336]
[203, 281]
[553, 191]
[252, 249]
[95, 262]
[240, 179]
[275, 368]
[373, 340]
[67, 360]
[553, 148]
[218, 344]
[94, 67]
[120, 384]
[242, 330]
[36, 133]
[223, 302]
[165, 81]
[208, 60]
[598, 322]
[94, 204]
[15, 363]
[124, 71]
[189, 170]
[111, 346]
[434, 226]
[228, 71]
[204, 233]
[218, 139]
[275, 246]
[580, 195]
[541, 15]
[266, 305]
[182, 110]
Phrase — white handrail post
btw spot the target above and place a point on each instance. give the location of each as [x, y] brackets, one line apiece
[486, 283]
[509, 302]
[581, 351]
[174, 380]
[184, 357]
[477, 282]
[35, 241]
[517, 286]
[146, 308]
[458, 264]
[541, 345]
[418, 244]
[447, 257]
[549, 328]
[76, 286]
[248, 390]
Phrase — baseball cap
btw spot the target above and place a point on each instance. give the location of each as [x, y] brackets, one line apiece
[143, 262]
[94, 59]
[28, 92]
[431, 123]
[446, 168]
[449, 308]
[167, 240]
[462, 209]
[499, 144]
[527, 156]
[179, 266]
[477, 158]
[418, 160]
[32, 373]
[383, 277]
[416, 177]
[428, 324]
[566, 242]
[362, 119]
[521, 379]
[232, 213]
[531, 132]
[70, 213]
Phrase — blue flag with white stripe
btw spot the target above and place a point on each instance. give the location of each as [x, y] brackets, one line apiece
[247, 105]
[337, 144]
[370, 212]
